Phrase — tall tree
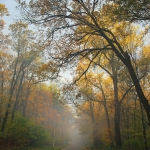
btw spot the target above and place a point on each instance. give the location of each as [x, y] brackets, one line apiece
[5, 61]
[24, 58]
[89, 16]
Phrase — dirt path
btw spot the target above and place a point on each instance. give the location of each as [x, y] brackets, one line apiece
[74, 147]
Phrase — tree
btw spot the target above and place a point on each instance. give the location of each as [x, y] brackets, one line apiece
[5, 61]
[89, 16]
[93, 104]
[5, 73]
[3, 10]
[132, 10]
[24, 58]
[125, 33]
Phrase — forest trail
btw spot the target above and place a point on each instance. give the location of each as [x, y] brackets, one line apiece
[74, 147]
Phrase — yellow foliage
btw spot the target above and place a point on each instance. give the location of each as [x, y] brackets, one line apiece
[3, 10]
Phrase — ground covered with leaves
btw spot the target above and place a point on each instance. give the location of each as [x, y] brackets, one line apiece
[34, 148]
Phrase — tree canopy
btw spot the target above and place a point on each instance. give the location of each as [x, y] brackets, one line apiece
[64, 17]
[108, 54]
[132, 10]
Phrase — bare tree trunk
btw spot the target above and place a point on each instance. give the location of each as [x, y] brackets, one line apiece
[144, 128]
[139, 91]
[1, 95]
[116, 104]
[6, 115]
[17, 96]
[117, 115]
[12, 88]
[107, 118]
[95, 140]
[54, 131]
[24, 104]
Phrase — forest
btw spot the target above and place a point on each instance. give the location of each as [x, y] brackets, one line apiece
[74, 75]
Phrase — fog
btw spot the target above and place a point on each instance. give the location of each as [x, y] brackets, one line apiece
[77, 139]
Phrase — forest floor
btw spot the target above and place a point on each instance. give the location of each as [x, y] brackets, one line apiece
[33, 148]
[74, 147]
[71, 147]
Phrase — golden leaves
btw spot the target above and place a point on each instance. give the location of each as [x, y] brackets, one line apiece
[3, 10]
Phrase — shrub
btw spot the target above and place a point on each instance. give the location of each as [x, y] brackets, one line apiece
[23, 131]
[133, 144]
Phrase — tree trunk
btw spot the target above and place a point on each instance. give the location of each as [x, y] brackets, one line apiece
[134, 116]
[9, 105]
[117, 115]
[6, 116]
[107, 118]
[144, 128]
[1, 95]
[17, 96]
[25, 101]
[54, 131]
[95, 139]
[125, 58]
[116, 105]
[139, 90]
[12, 88]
